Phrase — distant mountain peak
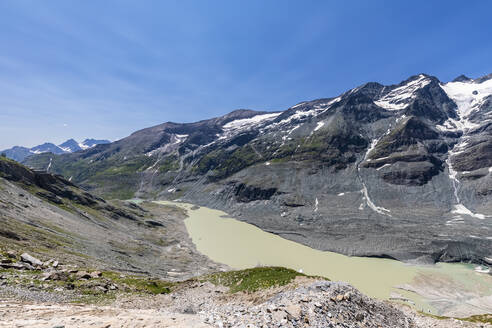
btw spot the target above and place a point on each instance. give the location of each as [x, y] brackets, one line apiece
[483, 78]
[462, 78]
[70, 146]
[89, 143]
[20, 153]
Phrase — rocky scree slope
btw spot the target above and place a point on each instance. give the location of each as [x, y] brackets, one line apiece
[258, 297]
[50, 217]
[400, 171]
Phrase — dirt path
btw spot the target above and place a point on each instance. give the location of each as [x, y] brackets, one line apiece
[17, 314]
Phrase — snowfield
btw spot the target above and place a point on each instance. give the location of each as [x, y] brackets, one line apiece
[401, 97]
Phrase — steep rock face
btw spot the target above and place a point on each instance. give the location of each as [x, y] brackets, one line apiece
[401, 171]
[246, 193]
[408, 153]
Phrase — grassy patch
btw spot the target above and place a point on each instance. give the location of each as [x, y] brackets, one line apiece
[251, 280]
[170, 163]
[483, 318]
[479, 318]
[141, 284]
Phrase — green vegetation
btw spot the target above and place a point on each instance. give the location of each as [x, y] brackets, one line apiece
[235, 162]
[169, 163]
[114, 176]
[408, 133]
[482, 318]
[251, 280]
[479, 318]
[141, 284]
[224, 163]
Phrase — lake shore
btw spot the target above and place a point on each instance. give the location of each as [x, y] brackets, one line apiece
[443, 288]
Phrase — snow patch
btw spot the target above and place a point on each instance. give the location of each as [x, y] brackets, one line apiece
[399, 98]
[247, 123]
[341, 194]
[83, 146]
[468, 96]
[378, 209]
[316, 203]
[179, 138]
[457, 125]
[286, 137]
[461, 209]
[373, 144]
[299, 114]
[385, 165]
[49, 165]
[319, 125]
[482, 269]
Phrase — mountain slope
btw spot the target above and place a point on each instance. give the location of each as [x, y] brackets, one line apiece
[399, 171]
[19, 154]
[49, 216]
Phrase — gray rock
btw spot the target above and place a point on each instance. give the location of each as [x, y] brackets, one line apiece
[25, 257]
[83, 275]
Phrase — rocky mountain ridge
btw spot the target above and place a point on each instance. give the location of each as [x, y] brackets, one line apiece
[19, 153]
[400, 171]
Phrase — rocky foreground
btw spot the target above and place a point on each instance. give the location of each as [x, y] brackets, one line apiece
[38, 293]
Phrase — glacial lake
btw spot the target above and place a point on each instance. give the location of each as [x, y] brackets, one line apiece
[444, 288]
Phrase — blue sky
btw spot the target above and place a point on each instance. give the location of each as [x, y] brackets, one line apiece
[105, 69]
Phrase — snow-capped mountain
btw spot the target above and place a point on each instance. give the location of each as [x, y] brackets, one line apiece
[21, 153]
[402, 171]
[70, 146]
[89, 143]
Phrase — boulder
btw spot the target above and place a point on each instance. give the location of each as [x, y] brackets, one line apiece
[30, 259]
[96, 274]
[48, 263]
[83, 275]
[101, 289]
[294, 310]
[17, 266]
[54, 275]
